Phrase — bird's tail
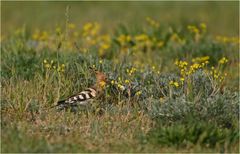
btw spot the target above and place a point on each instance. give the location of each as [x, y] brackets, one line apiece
[59, 103]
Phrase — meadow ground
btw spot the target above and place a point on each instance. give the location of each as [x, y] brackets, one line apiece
[172, 67]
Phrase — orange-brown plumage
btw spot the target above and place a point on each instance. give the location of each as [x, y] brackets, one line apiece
[88, 94]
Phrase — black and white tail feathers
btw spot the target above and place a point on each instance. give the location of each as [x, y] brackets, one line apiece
[81, 98]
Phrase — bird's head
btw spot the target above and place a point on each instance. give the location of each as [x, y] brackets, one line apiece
[101, 78]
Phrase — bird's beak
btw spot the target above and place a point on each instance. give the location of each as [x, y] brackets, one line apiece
[93, 70]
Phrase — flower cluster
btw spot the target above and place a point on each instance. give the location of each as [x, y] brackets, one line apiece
[193, 29]
[198, 63]
[119, 83]
[174, 83]
[131, 71]
[225, 39]
[176, 38]
[188, 69]
[92, 38]
[40, 36]
[197, 30]
[223, 60]
[216, 74]
[90, 32]
[51, 65]
[201, 59]
[152, 22]
[104, 43]
[70, 39]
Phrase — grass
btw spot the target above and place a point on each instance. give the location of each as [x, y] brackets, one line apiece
[173, 85]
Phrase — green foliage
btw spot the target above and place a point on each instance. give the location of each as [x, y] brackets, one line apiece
[158, 97]
[202, 133]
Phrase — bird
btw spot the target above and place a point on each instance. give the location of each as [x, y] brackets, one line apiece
[87, 95]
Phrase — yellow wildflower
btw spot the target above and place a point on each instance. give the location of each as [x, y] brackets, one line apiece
[203, 27]
[121, 87]
[47, 66]
[182, 79]
[127, 81]
[112, 82]
[171, 82]
[223, 60]
[58, 30]
[141, 37]
[138, 93]
[176, 84]
[71, 25]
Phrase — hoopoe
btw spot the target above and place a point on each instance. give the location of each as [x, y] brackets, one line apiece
[87, 95]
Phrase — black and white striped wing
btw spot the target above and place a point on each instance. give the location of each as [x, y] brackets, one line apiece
[81, 98]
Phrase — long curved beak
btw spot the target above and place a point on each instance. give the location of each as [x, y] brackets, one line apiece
[93, 70]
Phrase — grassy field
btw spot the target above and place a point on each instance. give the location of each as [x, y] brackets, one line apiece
[172, 68]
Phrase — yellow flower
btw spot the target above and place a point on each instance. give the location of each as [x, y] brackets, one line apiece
[200, 59]
[47, 66]
[112, 82]
[215, 76]
[175, 37]
[176, 84]
[91, 29]
[95, 29]
[100, 61]
[105, 46]
[58, 30]
[44, 36]
[193, 29]
[203, 27]
[127, 81]
[123, 39]
[195, 66]
[121, 87]
[171, 82]
[223, 60]
[138, 93]
[141, 37]
[152, 22]
[71, 25]
[87, 26]
[35, 36]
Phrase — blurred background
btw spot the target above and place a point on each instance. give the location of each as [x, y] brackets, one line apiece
[220, 17]
[173, 67]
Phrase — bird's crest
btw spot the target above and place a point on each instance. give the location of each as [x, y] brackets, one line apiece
[101, 78]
